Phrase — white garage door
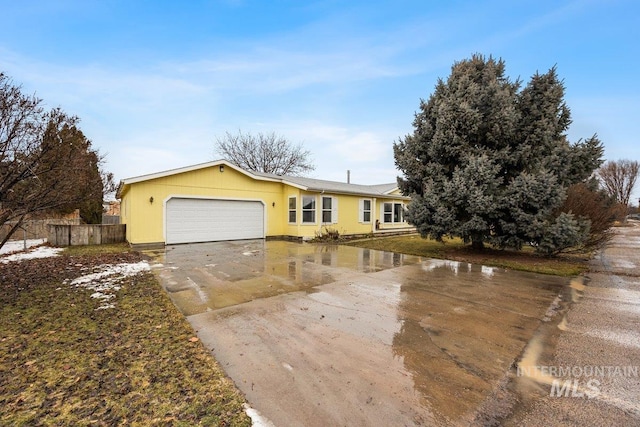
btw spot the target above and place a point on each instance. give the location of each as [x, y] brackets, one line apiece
[203, 220]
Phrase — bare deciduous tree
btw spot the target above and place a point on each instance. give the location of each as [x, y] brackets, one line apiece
[269, 153]
[618, 179]
[46, 163]
[589, 202]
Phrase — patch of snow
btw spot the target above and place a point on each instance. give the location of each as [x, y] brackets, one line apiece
[38, 252]
[108, 274]
[287, 366]
[18, 245]
[100, 295]
[257, 419]
[107, 279]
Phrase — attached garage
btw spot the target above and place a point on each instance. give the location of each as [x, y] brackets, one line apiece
[217, 201]
[192, 220]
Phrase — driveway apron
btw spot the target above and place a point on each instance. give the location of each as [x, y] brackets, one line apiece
[318, 335]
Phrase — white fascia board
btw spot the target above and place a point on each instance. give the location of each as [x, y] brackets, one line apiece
[198, 166]
[392, 190]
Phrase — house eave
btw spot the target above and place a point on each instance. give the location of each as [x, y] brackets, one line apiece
[124, 183]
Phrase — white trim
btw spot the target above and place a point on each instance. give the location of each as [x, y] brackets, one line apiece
[199, 166]
[289, 209]
[333, 211]
[393, 204]
[392, 190]
[362, 210]
[231, 199]
[315, 210]
[255, 176]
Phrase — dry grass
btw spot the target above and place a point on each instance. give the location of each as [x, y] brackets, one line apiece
[62, 362]
[455, 249]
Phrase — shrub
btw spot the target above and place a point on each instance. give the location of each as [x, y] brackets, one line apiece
[326, 235]
[596, 206]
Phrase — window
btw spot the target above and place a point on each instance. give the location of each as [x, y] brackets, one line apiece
[397, 212]
[292, 210]
[365, 210]
[388, 212]
[393, 213]
[308, 209]
[329, 210]
[326, 209]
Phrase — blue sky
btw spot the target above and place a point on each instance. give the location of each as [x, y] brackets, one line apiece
[155, 82]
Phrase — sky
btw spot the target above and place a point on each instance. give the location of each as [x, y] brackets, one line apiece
[155, 82]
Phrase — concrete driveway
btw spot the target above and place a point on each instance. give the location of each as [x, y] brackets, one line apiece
[318, 335]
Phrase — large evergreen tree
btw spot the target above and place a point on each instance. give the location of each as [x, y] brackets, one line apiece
[63, 142]
[489, 162]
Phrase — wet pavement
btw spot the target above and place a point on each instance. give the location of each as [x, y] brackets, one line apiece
[337, 335]
[586, 371]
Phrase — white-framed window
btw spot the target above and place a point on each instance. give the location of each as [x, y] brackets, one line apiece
[387, 214]
[365, 211]
[293, 213]
[329, 210]
[398, 212]
[308, 209]
[392, 213]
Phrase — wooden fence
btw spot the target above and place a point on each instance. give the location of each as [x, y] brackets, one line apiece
[86, 234]
[110, 219]
[34, 228]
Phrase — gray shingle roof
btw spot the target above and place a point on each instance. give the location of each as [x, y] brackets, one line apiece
[312, 184]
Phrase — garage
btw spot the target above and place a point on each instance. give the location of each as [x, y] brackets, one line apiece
[193, 220]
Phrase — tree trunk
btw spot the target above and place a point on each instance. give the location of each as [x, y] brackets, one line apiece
[477, 244]
[13, 230]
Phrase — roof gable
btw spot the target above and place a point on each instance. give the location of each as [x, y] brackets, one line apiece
[303, 183]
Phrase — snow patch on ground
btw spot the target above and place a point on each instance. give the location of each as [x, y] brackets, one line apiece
[107, 279]
[257, 419]
[18, 245]
[38, 252]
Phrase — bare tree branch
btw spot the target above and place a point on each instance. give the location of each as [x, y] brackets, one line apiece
[619, 178]
[46, 163]
[269, 153]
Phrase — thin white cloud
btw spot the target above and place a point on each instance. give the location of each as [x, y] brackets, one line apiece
[303, 82]
[272, 70]
[362, 147]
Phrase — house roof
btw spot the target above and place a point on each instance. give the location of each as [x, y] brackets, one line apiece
[306, 184]
[312, 184]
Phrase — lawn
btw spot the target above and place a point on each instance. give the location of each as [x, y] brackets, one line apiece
[109, 349]
[455, 249]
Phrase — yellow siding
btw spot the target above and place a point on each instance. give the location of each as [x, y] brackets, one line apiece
[348, 221]
[145, 218]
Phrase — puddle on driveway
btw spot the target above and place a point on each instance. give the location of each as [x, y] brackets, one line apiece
[350, 336]
[207, 276]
